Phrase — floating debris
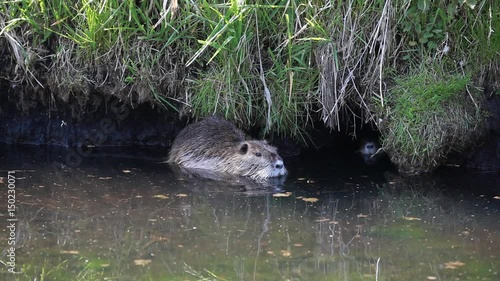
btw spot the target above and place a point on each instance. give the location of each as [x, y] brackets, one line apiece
[69, 252]
[453, 264]
[412, 219]
[311, 199]
[161, 196]
[181, 195]
[286, 194]
[286, 253]
[142, 262]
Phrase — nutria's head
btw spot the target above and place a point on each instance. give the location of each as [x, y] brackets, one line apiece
[368, 148]
[256, 159]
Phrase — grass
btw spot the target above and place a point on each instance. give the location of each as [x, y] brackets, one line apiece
[252, 85]
[277, 65]
[430, 114]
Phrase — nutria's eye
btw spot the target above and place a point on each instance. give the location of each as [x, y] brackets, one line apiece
[258, 154]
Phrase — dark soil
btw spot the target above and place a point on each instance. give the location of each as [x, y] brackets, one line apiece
[103, 121]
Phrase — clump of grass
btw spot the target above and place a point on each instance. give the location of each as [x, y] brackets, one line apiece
[429, 115]
[71, 49]
[259, 70]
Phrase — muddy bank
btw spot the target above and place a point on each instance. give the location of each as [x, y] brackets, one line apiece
[487, 155]
[106, 121]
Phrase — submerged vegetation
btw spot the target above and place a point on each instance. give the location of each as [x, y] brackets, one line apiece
[278, 65]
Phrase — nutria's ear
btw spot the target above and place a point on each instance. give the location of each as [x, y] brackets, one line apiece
[244, 148]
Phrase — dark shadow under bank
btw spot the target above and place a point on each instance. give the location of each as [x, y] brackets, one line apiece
[313, 171]
[107, 122]
[101, 121]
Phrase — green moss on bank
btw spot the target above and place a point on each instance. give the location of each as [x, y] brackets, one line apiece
[431, 114]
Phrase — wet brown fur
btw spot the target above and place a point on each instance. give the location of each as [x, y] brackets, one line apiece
[217, 145]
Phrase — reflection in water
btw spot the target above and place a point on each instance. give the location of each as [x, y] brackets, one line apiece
[112, 218]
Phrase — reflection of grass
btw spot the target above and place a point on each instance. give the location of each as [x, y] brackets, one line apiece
[77, 269]
[213, 236]
[401, 229]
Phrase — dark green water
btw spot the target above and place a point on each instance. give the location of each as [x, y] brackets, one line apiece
[115, 218]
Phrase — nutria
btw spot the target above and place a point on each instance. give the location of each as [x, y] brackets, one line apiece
[368, 147]
[369, 150]
[217, 145]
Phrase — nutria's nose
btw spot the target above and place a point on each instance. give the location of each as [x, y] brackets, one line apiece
[369, 146]
[279, 164]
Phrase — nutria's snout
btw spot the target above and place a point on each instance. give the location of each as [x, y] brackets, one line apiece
[369, 148]
[279, 168]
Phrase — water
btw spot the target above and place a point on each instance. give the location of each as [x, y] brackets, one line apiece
[121, 215]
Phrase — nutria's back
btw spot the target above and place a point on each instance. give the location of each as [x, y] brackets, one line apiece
[216, 144]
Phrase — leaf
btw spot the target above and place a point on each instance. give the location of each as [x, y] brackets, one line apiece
[453, 264]
[142, 262]
[428, 35]
[286, 253]
[160, 196]
[471, 3]
[451, 10]
[311, 200]
[412, 219]
[423, 5]
[286, 194]
[69, 252]
[432, 45]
